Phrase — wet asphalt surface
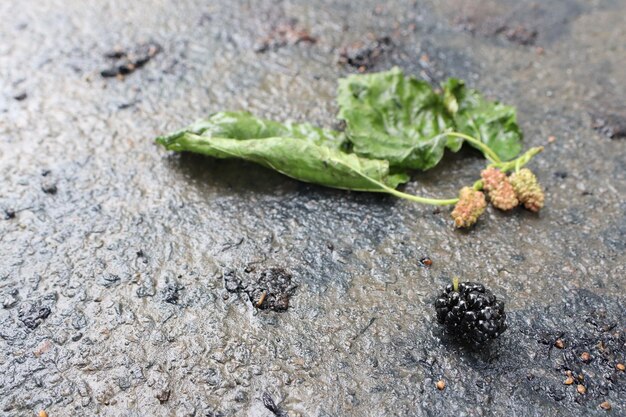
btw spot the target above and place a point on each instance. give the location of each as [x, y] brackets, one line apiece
[129, 276]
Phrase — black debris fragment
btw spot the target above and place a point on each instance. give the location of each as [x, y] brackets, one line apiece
[127, 105]
[171, 293]
[163, 396]
[32, 314]
[49, 187]
[128, 61]
[48, 184]
[364, 55]
[285, 34]
[611, 125]
[269, 289]
[269, 403]
[9, 213]
[519, 34]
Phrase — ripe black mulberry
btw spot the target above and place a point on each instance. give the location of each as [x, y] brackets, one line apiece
[471, 312]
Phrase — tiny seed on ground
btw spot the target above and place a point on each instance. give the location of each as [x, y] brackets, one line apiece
[620, 367]
[441, 384]
[569, 381]
[605, 406]
[426, 261]
[260, 302]
[581, 389]
[585, 357]
[559, 344]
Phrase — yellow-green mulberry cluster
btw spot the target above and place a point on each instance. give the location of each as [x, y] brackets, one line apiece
[470, 206]
[501, 192]
[527, 188]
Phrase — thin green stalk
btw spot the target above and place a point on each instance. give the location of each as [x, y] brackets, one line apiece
[487, 151]
[411, 197]
[418, 199]
[519, 162]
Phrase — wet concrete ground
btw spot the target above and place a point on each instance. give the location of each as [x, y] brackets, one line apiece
[116, 256]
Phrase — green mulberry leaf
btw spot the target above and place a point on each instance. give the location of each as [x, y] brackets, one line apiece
[244, 125]
[397, 118]
[403, 120]
[299, 151]
[491, 122]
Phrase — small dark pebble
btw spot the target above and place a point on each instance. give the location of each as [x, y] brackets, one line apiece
[163, 396]
[20, 96]
[269, 403]
[9, 214]
[560, 174]
[32, 316]
[49, 187]
[171, 293]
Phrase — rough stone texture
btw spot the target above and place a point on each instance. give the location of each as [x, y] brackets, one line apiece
[126, 245]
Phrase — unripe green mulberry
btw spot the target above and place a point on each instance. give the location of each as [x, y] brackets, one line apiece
[527, 188]
[501, 192]
[470, 206]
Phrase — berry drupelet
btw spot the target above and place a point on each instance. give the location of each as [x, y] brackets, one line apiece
[471, 312]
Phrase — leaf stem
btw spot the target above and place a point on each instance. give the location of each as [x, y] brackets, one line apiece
[418, 199]
[487, 151]
[519, 162]
[400, 194]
